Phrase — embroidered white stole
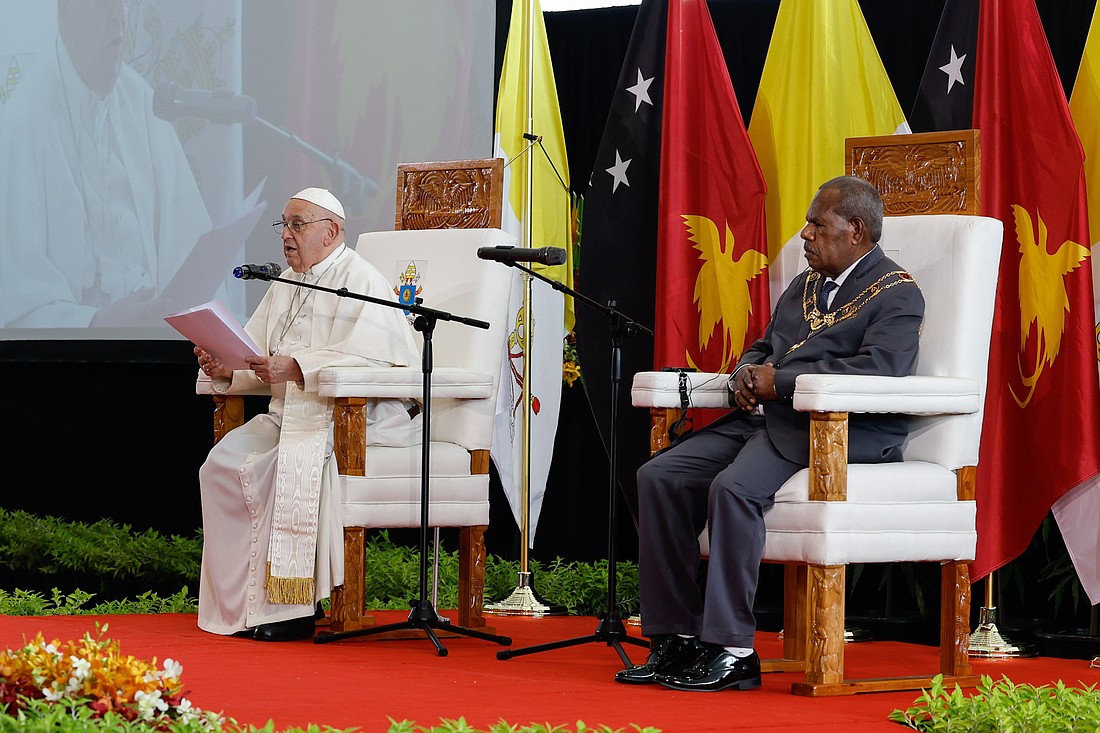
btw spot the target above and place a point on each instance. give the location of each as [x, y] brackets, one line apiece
[292, 553]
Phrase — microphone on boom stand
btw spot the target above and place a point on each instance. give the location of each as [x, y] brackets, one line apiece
[265, 271]
[511, 255]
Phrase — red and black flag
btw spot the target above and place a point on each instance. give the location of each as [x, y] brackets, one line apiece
[674, 226]
[1043, 352]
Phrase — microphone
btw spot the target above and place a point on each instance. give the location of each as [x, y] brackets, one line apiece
[257, 272]
[171, 101]
[510, 255]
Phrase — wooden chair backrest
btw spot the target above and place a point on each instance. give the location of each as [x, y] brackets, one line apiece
[454, 194]
[921, 173]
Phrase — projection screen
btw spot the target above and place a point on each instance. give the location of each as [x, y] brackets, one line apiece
[146, 146]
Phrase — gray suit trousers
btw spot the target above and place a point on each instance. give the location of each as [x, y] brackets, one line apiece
[724, 478]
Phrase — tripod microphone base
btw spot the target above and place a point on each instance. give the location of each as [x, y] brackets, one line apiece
[423, 617]
[610, 631]
[524, 601]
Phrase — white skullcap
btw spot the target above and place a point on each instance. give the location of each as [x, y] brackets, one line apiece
[323, 198]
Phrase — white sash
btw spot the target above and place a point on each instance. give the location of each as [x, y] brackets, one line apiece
[303, 442]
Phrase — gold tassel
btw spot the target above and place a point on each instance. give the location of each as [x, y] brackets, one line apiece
[292, 591]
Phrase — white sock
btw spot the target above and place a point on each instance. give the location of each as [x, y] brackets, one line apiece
[739, 651]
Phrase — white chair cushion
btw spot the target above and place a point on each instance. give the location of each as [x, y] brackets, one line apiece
[456, 502]
[386, 497]
[404, 382]
[900, 483]
[447, 459]
[895, 512]
[836, 533]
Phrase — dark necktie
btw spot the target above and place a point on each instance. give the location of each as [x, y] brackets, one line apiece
[826, 289]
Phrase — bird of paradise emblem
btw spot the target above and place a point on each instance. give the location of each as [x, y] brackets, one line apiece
[1043, 299]
[722, 289]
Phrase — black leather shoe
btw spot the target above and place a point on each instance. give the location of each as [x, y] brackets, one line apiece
[292, 630]
[668, 653]
[716, 670]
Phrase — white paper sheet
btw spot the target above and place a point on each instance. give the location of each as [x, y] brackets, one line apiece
[214, 328]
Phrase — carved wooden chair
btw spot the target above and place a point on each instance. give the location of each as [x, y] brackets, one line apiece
[381, 486]
[450, 194]
[921, 509]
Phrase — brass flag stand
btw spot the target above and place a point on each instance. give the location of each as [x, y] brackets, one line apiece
[523, 600]
[986, 641]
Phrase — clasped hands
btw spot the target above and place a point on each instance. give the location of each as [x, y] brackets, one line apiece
[754, 384]
[269, 369]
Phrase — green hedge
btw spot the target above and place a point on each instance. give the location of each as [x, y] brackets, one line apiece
[65, 567]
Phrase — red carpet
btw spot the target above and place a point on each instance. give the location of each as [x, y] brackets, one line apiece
[360, 682]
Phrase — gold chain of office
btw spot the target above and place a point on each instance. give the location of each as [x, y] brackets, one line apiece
[819, 320]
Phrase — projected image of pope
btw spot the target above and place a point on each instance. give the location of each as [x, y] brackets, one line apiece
[100, 205]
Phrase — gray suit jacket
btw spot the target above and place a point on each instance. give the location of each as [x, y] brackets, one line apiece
[873, 328]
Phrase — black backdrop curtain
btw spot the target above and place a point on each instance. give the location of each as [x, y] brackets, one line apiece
[113, 429]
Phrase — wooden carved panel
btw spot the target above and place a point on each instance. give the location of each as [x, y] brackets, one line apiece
[347, 599]
[825, 642]
[479, 461]
[955, 619]
[922, 173]
[660, 418]
[228, 414]
[796, 610]
[828, 456]
[471, 576]
[349, 419]
[457, 194]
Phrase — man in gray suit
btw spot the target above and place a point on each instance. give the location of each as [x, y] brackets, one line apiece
[854, 311]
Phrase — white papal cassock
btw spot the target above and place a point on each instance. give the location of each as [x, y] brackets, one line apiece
[264, 481]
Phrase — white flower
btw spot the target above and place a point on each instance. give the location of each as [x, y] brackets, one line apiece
[149, 703]
[81, 668]
[50, 649]
[172, 668]
[186, 711]
[74, 684]
[51, 694]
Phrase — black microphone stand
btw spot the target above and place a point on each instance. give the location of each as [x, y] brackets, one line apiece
[423, 616]
[610, 630]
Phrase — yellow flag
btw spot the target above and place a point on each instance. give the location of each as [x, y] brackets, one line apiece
[823, 81]
[528, 104]
[1084, 106]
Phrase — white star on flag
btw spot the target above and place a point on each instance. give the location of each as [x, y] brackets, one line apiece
[953, 69]
[641, 91]
[618, 172]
